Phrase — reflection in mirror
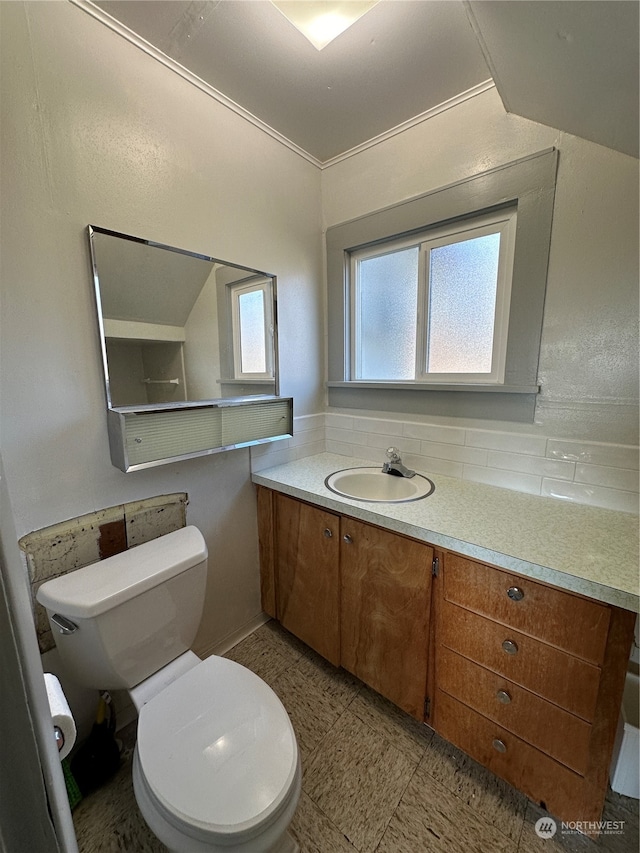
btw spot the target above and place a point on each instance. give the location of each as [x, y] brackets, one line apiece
[178, 327]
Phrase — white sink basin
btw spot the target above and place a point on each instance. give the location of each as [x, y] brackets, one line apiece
[372, 485]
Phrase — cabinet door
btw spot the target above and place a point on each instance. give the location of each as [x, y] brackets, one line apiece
[386, 596]
[308, 575]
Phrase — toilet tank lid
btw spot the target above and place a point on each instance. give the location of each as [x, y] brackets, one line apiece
[94, 589]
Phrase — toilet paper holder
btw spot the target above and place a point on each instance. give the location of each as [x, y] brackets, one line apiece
[62, 722]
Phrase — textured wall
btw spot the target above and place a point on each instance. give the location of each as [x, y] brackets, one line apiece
[589, 356]
[94, 131]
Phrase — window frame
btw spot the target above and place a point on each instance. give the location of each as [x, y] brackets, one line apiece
[529, 183]
[501, 222]
[235, 291]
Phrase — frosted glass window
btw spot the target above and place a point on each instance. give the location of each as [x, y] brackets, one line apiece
[251, 329]
[387, 300]
[253, 354]
[434, 307]
[463, 284]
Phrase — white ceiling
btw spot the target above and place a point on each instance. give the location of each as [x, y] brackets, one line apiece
[571, 64]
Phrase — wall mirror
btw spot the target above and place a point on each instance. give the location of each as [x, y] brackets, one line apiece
[189, 350]
[178, 327]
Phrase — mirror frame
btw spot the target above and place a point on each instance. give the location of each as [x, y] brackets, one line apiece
[94, 230]
[151, 434]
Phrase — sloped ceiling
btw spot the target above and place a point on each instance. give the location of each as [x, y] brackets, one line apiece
[570, 64]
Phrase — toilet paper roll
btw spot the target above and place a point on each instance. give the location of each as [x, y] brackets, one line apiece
[60, 714]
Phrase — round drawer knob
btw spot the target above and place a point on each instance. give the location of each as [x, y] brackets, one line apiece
[503, 697]
[348, 539]
[499, 745]
[510, 647]
[327, 533]
[515, 593]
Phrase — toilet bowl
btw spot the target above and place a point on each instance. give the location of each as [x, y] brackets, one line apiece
[216, 765]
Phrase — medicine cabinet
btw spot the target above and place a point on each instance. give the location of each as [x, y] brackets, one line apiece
[189, 351]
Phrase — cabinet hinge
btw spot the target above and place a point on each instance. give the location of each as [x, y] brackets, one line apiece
[427, 707]
[435, 567]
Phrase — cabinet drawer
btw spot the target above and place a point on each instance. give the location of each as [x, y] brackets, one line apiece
[574, 624]
[535, 774]
[565, 680]
[541, 724]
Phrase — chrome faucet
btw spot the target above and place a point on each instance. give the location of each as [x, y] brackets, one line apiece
[394, 465]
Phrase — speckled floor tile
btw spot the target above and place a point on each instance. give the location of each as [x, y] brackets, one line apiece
[260, 656]
[357, 779]
[282, 641]
[491, 798]
[625, 809]
[337, 682]
[619, 838]
[108, 820]
[407, 735]
[374, 779]
[312, 710]
[314, 832]
[431, 819]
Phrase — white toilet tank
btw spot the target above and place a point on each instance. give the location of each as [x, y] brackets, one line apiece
[134, 612]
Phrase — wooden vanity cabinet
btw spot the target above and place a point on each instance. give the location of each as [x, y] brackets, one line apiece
[528, 681]
[385, 610]
[307, 574]
[359, 595]
[524, 677]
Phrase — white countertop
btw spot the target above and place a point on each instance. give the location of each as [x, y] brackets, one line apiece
[575, 547]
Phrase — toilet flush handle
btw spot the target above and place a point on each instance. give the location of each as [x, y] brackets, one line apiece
[65, 625]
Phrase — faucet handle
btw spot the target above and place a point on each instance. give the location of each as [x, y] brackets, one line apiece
[393, 454]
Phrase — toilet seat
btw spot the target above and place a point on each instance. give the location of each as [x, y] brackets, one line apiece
[217, 752]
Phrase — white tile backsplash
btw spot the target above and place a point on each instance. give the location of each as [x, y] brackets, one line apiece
[346, 436]
[599, 474]
[533, 445]
[431, 432]
[430, 465]
[527, 483]
[377, 425]
[309, 449]
[382, 441]
[304, 423]
[455, 453]
[340, 447]
[593, 453]
[309, 436]
[613, 478]
[339, 421]
[541, 466]
[594, 495]
[274, 457]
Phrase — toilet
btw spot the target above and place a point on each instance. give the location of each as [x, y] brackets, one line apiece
[216, 765]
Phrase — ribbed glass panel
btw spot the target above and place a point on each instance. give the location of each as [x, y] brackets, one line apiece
[161, 435]
[255, 421]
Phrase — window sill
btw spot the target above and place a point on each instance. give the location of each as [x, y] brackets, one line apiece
[246, 381]
[438, 386]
